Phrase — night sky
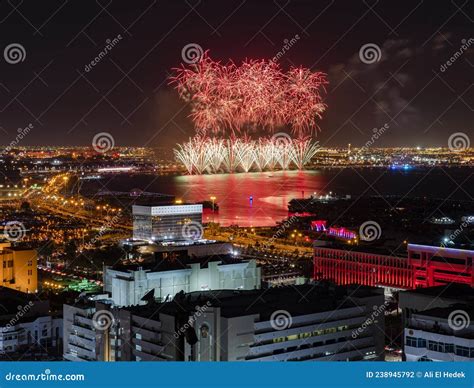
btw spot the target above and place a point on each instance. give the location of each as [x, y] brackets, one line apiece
[126, 93]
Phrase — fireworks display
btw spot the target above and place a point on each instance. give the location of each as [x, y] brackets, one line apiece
[233, 102]
[210, 155]
[255, 95]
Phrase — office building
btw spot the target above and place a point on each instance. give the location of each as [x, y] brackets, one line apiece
[167, 223]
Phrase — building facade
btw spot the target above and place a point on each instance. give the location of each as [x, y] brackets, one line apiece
[167, 223]
[425, 266]
[435, 266]
[435, 335]
[128, 286]
[18, 268]
[83, 339]
[328, 324]
[27, 326]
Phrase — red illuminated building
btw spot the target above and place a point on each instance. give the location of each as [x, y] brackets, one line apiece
[425, 266]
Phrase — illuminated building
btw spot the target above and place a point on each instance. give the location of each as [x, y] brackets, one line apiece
[255, 325]
[18, 268]
[425, 266]
[341, 232]
[434, 266]
[128, 284]
[318, 225]
[167, 223]
[357, 267]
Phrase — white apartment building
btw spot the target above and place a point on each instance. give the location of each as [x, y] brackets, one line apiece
[42, 331]
[440, 334]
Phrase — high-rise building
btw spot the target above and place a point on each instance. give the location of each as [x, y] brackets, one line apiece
[310, 322]
[82, 341]
[18, 268]
[167, 223]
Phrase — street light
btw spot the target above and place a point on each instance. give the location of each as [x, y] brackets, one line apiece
[213, 198]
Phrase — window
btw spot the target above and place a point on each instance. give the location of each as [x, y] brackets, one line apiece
[421, 343]
[410, 341]
[435, 346]
[204, 331]
[462, 351]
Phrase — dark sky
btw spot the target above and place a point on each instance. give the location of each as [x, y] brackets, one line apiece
[126, 93]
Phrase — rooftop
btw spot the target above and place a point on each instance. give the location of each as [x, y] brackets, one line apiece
[455, 291]
[445, 312]
[160, 265]
[299, 300]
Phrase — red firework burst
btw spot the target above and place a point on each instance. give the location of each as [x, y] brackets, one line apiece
[258, 94]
